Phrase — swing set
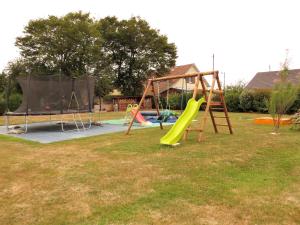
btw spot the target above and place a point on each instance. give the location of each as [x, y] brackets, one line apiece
[185, 127]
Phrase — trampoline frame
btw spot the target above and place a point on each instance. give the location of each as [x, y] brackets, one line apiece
[79, 124]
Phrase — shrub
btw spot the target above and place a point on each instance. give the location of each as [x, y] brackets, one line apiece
[296, 120]
[296, 106]
[15, 100]
[260, 101]
[175, 101]
[232, 97]
[246, 101]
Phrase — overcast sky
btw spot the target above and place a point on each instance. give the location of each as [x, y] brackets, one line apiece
[245, 36]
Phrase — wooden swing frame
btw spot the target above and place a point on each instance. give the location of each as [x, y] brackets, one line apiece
[210, 105]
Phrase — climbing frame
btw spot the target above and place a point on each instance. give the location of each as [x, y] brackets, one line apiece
[210, 108]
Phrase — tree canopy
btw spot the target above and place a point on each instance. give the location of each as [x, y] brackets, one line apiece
[135, 52]
[119, 53]
[69, 43]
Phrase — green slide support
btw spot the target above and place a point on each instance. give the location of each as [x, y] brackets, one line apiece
[177, 130]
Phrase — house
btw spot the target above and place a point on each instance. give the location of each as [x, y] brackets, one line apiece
[120, 102]
[178, 85]
[267, 80]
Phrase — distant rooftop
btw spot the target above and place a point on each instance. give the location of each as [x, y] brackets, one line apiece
[267, 80]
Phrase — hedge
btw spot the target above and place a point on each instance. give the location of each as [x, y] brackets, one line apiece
[253, 101]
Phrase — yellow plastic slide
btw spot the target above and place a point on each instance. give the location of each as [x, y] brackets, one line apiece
[177, 130]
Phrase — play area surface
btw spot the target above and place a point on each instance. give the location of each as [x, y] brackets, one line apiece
[47, 132]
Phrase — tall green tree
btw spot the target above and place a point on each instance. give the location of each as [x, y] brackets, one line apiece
[3, 83]
[134, 51]
[69, 43]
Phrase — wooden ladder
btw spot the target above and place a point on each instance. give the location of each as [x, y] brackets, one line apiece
[211, 107]
[214, 106]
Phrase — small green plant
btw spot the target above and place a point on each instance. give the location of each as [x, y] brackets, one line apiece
[283, 96]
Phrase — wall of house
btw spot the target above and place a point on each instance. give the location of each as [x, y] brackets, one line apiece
[190, 85]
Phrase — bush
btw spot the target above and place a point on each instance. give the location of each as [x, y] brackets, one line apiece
[296, 120]
[232, 97]
[175, 100]
[15, 101]
[246, 101]
[260, 101]
[296, 106]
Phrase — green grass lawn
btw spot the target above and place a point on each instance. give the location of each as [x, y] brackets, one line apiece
[251, 177]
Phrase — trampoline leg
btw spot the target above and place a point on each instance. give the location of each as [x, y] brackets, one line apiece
[7, 123]
[90, 120]
[62, 123]
[80, 119]
[26, 124]
[74, 119]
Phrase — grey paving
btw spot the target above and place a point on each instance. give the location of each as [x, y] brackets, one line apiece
[48, 132]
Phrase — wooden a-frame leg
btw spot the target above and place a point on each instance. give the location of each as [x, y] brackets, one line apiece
[139, 106]
[203, 122]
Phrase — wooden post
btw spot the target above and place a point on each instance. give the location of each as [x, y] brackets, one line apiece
[156, 104]
[210, 111]
[207, 107]
[196, 87]
[139, 106]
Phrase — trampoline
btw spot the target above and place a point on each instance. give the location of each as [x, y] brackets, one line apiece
[55, 95]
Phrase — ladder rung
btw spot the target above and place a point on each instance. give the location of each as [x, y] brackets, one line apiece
[222, 125]
[194, 129]
[218, 109]
[216, 104]
[215, 91]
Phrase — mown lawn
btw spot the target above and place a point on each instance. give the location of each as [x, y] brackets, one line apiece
[251, 177]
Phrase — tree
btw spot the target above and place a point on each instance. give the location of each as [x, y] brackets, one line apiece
[135, 52]
[3, 83]
[283, 96]
[68, 44]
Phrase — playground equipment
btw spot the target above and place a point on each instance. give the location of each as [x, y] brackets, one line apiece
[55, 95]
[165, 115]
[130, 111]
[177, 130]
[183, 125]
[270, 121]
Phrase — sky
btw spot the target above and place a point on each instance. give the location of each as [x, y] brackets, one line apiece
[245, 37]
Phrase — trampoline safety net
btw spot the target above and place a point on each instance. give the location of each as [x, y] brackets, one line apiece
[55, 94]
